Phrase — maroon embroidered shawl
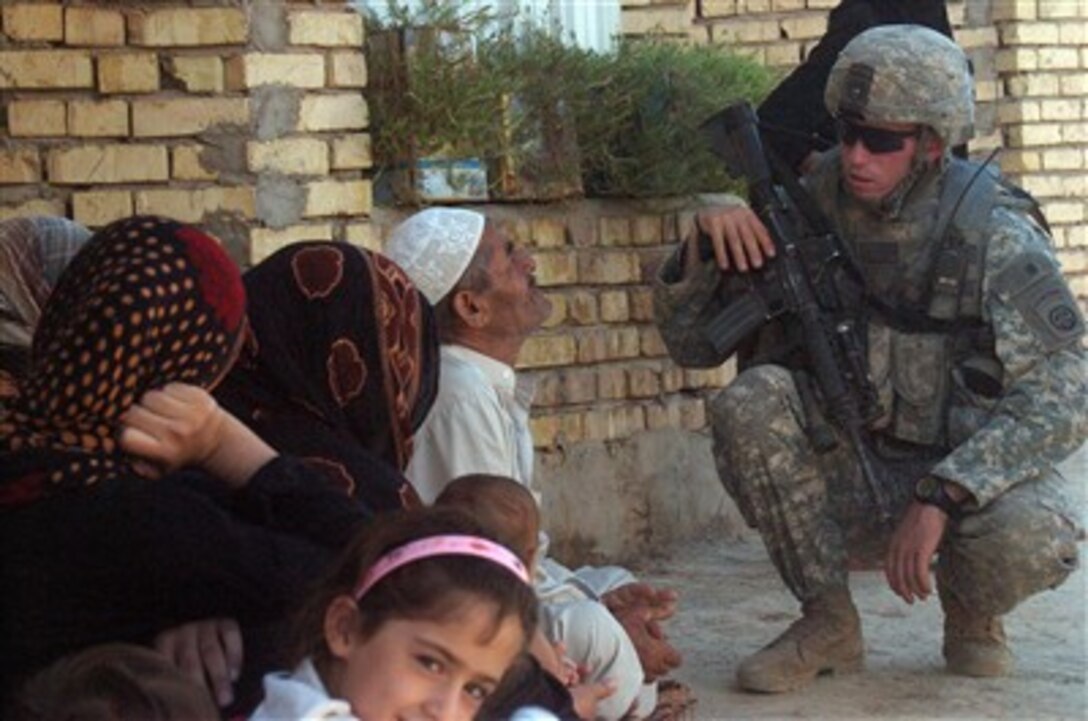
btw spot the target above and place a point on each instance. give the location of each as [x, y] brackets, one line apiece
[340, 365]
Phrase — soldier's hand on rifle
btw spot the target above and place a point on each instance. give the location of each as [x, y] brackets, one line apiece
[738, 236]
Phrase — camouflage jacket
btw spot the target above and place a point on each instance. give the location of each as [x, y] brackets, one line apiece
[1039, 414]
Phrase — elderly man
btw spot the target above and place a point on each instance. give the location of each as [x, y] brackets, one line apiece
[487, 304]
[974, 349]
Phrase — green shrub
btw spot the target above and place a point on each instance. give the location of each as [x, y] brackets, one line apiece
[427, 94]
[638, 133]
[516, 97]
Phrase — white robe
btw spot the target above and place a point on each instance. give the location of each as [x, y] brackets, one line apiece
[479, 424]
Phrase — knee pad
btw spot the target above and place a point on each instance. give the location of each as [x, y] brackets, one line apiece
[995, 561]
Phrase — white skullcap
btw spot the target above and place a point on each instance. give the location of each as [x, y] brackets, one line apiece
[435, 246]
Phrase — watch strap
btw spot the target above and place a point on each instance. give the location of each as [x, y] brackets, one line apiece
[934, 494]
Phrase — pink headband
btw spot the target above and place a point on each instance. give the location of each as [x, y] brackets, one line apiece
[441, 546]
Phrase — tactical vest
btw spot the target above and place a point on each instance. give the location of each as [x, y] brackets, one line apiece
[931, 353]
[944, 283]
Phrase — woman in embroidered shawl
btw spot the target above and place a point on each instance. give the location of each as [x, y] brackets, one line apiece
[33, 252]
[130, 503]
[339, 367]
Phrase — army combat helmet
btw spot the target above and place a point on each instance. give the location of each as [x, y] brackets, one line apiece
[904, 74]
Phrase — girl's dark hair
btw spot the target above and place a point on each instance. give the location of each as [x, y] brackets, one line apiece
[113, 682]
[428, 589]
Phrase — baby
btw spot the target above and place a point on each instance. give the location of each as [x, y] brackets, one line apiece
[603, 668]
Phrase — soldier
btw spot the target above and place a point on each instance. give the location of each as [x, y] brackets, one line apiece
[977, 361]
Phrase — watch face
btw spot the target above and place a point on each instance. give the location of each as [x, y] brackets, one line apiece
[927, 487]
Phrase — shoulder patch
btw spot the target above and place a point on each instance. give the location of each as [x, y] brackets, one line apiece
[1032, 285]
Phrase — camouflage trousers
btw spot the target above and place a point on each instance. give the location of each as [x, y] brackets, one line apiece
[810, 508]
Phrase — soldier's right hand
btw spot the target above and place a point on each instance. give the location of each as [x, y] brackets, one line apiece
[739, 238]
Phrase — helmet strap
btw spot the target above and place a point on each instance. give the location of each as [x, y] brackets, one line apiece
[921, 165]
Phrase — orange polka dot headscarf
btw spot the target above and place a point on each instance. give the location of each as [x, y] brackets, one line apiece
[146, 302]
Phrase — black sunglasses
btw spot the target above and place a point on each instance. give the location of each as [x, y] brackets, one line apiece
[878, 141]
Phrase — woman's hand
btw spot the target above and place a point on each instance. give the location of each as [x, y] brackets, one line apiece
[174, 426]
[207, 651]
[181, 425]
[640, 608]
[653, 603]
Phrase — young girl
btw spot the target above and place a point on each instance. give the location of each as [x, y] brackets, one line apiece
[421, 619]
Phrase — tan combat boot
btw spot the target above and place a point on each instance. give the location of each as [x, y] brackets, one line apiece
[826, 639]
[974, 644]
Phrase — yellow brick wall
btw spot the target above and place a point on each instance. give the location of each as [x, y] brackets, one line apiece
[248, 118]
[1043, 64]
[1031, 65]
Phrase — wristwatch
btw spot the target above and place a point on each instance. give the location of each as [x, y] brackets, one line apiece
[931, 491]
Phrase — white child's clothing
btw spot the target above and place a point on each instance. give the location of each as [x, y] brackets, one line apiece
[573, 613]
[300, 695]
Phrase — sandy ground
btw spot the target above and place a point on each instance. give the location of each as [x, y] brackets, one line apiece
[733, 603]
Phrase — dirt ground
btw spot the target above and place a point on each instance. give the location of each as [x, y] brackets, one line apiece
[733, 603]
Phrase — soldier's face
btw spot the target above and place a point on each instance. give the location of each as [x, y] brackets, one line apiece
[875, 158]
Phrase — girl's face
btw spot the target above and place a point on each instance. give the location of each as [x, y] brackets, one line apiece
[413, 670]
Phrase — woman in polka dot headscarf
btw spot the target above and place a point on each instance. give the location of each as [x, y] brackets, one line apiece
[130, 502]
[148, 302]
[340, 366]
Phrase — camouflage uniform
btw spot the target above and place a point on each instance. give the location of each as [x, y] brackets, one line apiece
[1019, 535]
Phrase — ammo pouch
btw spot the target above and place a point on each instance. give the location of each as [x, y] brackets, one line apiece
[750, 300]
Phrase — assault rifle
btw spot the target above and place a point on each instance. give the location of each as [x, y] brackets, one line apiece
[812, 284]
